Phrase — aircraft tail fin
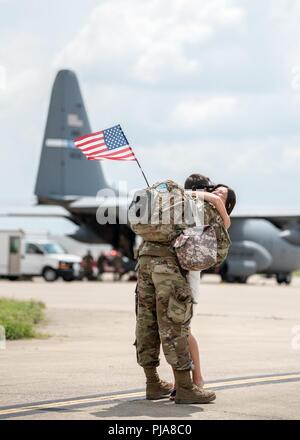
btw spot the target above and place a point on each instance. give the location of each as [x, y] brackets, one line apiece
[64, 171]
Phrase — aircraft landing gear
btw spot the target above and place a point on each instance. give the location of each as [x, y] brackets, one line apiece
[242, 279]
[284, 278]
[227, 278]
[232, 279]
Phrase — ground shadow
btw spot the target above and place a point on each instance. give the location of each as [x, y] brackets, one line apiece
[145, 408]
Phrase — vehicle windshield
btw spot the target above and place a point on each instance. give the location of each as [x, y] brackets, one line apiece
[53, 248]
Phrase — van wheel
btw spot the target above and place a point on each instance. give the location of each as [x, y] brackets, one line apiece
[68, 277]
[49, 274]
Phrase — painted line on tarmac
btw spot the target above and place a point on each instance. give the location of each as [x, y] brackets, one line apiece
[81, 402]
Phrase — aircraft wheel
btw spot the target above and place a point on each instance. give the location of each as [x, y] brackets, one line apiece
[284, 278]
[242, 280]
[223, 272]
[288, 279]
[68, 277]
[49, 274]
[232, 279]
[279, 279]
[228, 278]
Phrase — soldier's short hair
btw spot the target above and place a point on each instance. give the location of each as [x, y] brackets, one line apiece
[197, 181]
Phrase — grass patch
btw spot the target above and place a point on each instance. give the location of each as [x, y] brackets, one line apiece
[297, 273]
[19, 318]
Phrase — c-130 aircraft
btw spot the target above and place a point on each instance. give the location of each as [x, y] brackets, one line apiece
[264, 244]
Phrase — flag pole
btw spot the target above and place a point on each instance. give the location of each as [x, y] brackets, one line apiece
[136, 159]
[139, 165]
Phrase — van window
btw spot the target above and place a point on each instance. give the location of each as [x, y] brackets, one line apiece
[33, 249]
[14, 245]
[53, 248]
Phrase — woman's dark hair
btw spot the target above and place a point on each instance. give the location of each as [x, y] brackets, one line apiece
[197, 181]
[231, 198]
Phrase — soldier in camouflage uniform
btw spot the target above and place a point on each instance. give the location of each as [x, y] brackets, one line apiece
[164, 312]
[164, 304]
[163, 315]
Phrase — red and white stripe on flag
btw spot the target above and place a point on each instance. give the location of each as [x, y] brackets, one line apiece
[106, 144]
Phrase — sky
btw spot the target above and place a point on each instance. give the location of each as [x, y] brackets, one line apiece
[208, 86]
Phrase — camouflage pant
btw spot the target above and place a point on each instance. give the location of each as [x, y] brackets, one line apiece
[164, 312]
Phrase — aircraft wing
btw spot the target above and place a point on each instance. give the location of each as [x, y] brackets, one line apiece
[35, 211]
[83, 205]
[93, 203]
[281, 217]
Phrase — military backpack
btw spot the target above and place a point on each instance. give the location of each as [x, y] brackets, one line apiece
[157, 212]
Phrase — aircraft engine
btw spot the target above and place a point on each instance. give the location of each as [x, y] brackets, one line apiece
[292, 236]
[247, 258]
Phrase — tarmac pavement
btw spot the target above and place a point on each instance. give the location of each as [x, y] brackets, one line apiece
[86, 368]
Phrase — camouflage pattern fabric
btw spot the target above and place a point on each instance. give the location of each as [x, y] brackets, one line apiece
[162, 207]
[209, 215]
[196, 248]
[164, 312]
[149, 248]
[213, 218]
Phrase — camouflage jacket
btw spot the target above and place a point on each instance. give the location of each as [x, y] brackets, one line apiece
[154, 249]
[213, 218]
[210, 216]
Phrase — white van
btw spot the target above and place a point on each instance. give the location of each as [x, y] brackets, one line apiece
[25, 257]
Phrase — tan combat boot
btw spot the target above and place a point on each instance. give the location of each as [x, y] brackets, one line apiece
[187, 392]
[155, 387]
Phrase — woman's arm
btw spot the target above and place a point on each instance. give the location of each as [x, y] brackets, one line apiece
[218, 204]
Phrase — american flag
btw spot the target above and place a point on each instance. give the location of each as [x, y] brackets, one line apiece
[106, 144]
